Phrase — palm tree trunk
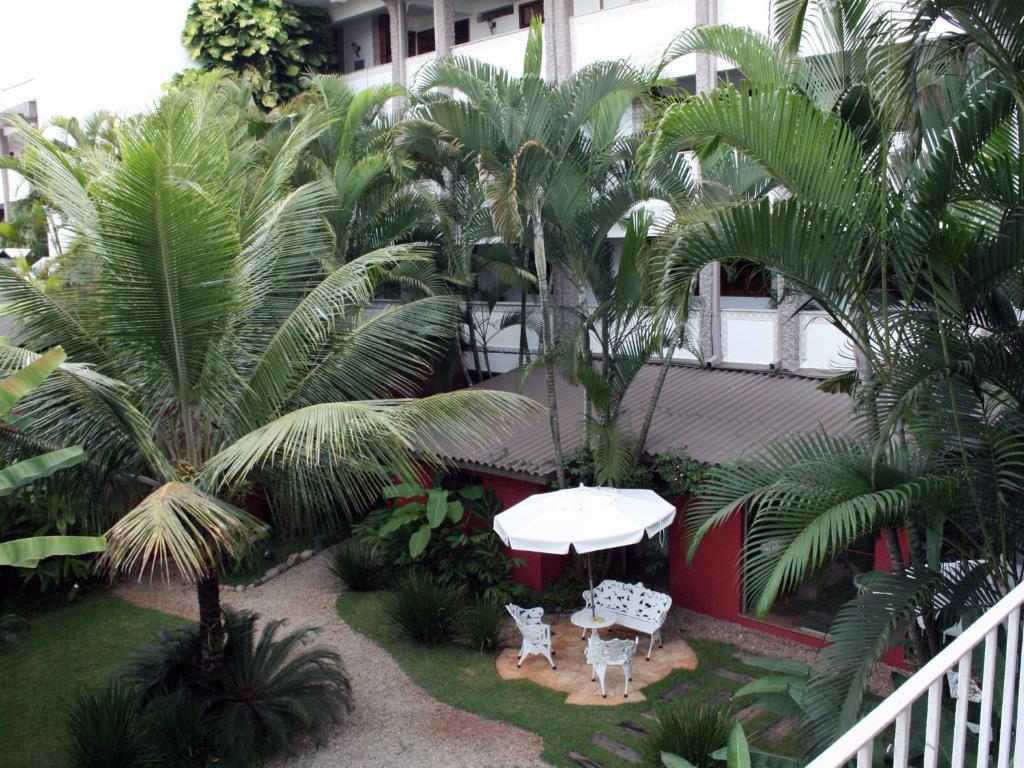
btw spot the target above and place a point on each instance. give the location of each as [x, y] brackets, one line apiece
[471, 324]
[524, 340]
[666, 363]
[586, 358]
[487, 355]
[211, 625]
[546, 339]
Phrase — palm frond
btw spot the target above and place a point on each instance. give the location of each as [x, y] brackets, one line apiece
[181, 526]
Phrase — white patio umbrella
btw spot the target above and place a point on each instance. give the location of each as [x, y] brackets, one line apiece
[587, 519]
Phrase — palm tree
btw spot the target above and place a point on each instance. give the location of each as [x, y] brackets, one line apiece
[523, 137]
[217, 352]
[913, 249]
[374, 200]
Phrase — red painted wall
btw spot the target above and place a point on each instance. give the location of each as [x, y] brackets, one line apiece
[709, 585]
[537, 571]
[895, 656]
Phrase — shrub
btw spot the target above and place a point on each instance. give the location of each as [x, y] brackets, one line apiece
[564, 596]
[677, 474]
[357, 564]
[481, 622]
[104, 729]
[178, 730]
[461, 553]
[425, 611]
[692, 732]
[12, 626]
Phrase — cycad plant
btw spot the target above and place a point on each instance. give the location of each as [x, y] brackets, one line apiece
[224, 356]
[901, 218]
[523, 137]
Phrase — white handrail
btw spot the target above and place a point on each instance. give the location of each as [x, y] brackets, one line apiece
[896, 709]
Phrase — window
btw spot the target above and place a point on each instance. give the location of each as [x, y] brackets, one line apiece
[745, 279]
[462, 31]
[528, 10]
[421, 42]
[383, 35]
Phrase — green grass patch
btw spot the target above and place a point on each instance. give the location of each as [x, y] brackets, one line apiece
[466, 679]
[65, 651]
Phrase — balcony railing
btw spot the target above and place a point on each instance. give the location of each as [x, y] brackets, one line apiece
[891, 727]
[749, 337]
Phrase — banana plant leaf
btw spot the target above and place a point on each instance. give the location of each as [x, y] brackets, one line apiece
[44, 465]
[26, 553]
[17, 385]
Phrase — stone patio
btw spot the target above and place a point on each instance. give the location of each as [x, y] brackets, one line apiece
[572, 675]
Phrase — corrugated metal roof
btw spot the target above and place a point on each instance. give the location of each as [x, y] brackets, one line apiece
[712, 414]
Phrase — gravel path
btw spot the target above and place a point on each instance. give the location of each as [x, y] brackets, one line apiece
[395, 722]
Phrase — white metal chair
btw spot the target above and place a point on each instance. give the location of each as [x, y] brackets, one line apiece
[602, 654]
[536, 634]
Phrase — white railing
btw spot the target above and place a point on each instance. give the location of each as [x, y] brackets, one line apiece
[953, 663]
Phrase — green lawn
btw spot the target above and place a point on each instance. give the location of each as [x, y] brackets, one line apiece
[63, 652]
[467, 679]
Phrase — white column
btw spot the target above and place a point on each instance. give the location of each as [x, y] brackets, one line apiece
[399, 45]
[707, 65]
[550, 38]
[711, 275]
[563, 39]
[444, 27]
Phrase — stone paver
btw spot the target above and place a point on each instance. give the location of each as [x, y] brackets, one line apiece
[628, 754]
[572, 675]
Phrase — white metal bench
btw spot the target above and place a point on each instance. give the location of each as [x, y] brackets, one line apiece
[633, 606]
[536, 635]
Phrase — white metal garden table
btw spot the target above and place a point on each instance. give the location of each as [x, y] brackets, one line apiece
[586, 619]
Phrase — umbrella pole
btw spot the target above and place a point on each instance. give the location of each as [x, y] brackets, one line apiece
[590, 578]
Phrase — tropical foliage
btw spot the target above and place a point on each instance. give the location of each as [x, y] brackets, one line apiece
[525, 168]
[692, 733]
[358, 566]
[275, 687]
[219, 266]
[27, 552]
[272, 42]
[424, 610]
[447, 533]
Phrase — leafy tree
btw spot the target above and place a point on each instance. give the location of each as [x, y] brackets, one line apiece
[273, 42]
[224, 357]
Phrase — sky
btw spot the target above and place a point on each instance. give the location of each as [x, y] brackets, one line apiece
[77, 56]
